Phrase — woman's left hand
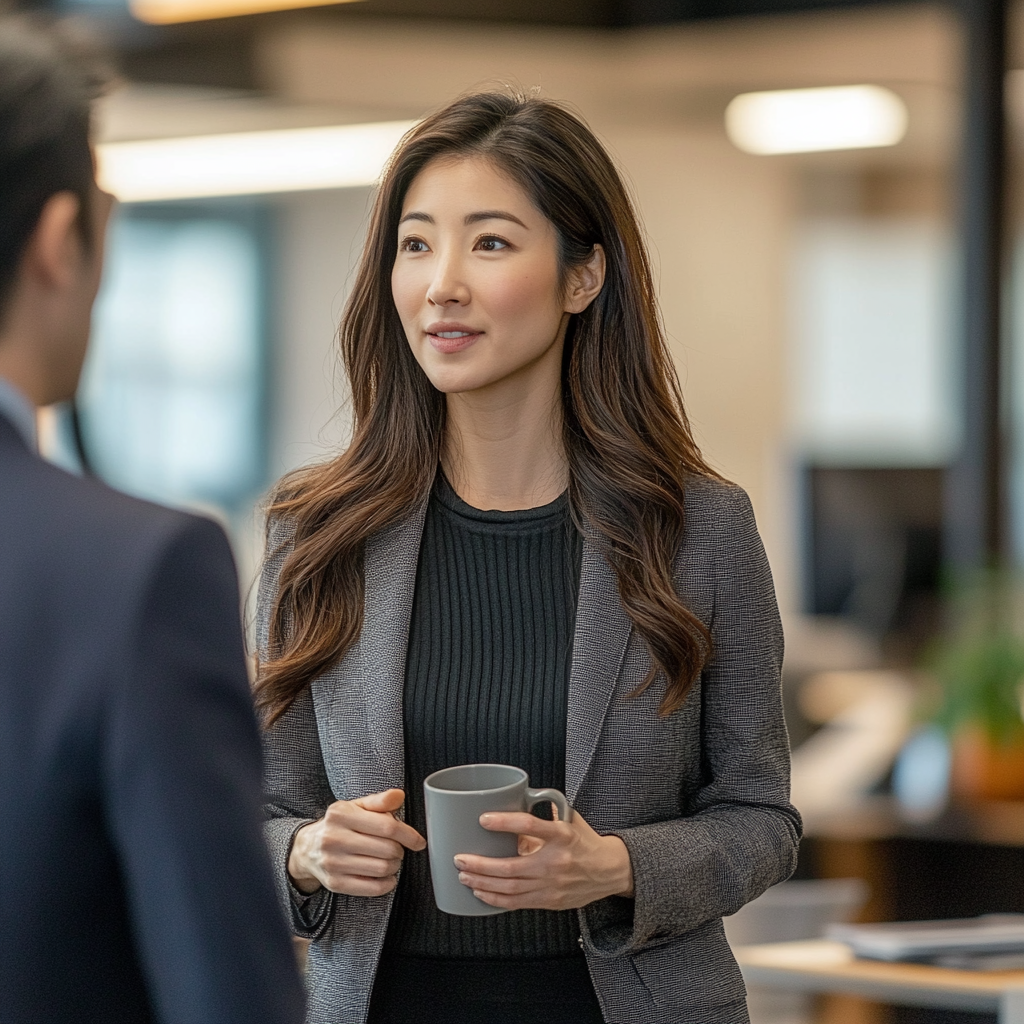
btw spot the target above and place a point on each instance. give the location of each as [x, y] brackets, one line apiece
[561, 865]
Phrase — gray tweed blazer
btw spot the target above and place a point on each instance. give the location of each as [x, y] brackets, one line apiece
[700, 798]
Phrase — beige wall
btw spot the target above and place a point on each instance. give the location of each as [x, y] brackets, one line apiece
[718, 224]
[319, 235]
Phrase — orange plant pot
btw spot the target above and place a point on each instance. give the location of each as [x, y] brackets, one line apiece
[984, 770]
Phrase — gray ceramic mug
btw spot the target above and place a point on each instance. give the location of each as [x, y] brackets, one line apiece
[455, 799]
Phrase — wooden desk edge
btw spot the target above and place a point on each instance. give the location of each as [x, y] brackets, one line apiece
[830, 967]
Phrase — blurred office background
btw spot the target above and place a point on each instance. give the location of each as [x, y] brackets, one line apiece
[818, 295]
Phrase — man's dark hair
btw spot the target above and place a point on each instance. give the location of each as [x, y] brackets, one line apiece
[49, 77]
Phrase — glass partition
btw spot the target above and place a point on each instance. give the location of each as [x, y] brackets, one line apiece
[172, 402]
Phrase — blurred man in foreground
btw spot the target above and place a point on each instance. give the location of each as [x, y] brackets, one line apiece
[134, 884]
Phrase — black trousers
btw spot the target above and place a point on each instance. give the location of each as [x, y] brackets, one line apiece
[438, 990]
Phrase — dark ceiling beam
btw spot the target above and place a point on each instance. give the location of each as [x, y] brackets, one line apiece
[652, 12]
[594, 13]
[572, 13]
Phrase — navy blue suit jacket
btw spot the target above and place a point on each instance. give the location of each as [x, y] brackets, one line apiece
[134, 881]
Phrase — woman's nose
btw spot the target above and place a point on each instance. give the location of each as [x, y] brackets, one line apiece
[448, 285]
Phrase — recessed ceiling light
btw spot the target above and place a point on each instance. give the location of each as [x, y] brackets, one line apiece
[248, 163]
[810, 120]
[170, 12]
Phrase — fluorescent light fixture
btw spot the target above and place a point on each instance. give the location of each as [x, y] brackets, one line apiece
[811, 120]
[170, 12]
[248, 163]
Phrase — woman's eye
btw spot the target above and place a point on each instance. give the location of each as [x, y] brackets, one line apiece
[491, 243]
[414, 245]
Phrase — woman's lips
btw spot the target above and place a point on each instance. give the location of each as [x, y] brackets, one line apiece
[449, 345]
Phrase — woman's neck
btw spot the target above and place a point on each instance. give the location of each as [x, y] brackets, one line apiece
[505, 451]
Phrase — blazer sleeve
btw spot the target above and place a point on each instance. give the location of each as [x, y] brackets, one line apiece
[181, 771]
[741, 833]
[296, 788]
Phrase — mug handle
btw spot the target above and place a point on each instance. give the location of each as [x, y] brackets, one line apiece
[543, 796]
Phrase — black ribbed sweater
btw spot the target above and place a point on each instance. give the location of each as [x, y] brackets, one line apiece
[487, 676]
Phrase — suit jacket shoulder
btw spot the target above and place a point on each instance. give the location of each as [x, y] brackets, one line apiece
[713, 503]
[76, 520]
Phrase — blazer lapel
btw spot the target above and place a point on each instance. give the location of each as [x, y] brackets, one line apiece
[599, 645]
[390, 565]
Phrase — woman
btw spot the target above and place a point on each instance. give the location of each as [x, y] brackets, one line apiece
[521, 558]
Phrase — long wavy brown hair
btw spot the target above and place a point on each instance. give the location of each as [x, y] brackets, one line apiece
[628, 443]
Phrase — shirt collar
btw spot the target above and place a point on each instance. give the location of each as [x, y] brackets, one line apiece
[21, 413]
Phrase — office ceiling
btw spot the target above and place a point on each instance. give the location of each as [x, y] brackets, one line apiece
[220, 54]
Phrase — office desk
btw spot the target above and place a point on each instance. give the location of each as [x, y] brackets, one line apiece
[824, 966]
[984, 822]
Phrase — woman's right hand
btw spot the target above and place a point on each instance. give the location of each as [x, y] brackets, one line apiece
[356, 848]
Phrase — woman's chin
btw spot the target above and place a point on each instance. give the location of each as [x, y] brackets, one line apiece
[455, 381]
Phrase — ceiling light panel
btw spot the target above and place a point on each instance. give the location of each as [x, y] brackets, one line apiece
[170, 12]
[815, 120]
[248, 163]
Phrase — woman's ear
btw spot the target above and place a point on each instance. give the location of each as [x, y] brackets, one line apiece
[585, 282]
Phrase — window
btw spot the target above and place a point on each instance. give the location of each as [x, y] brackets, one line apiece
[172, 396]
[874, 319]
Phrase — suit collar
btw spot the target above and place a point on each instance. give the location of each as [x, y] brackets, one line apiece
[19, 412]
[389, 571]
[598, 648]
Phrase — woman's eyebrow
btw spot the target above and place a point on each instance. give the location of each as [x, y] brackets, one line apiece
[473, 218]
[470, 218]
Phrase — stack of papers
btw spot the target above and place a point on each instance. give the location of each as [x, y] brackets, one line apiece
[994, 942]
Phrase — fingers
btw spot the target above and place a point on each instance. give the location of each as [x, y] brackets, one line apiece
[534, 835]
[541, 891]
[390, 800]
[341, 859]
[502, 867]
[357, 875]
[527, 899]
[359, 844]
[494, 899]
[565, 868]
[356, 816]
[368, 867]
[507, 886]
[345, 841]
[525, 825]
[388, 803]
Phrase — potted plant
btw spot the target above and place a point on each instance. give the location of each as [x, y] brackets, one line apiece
[979, 667]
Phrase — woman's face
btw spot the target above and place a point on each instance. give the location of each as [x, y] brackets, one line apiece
[476, 279]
